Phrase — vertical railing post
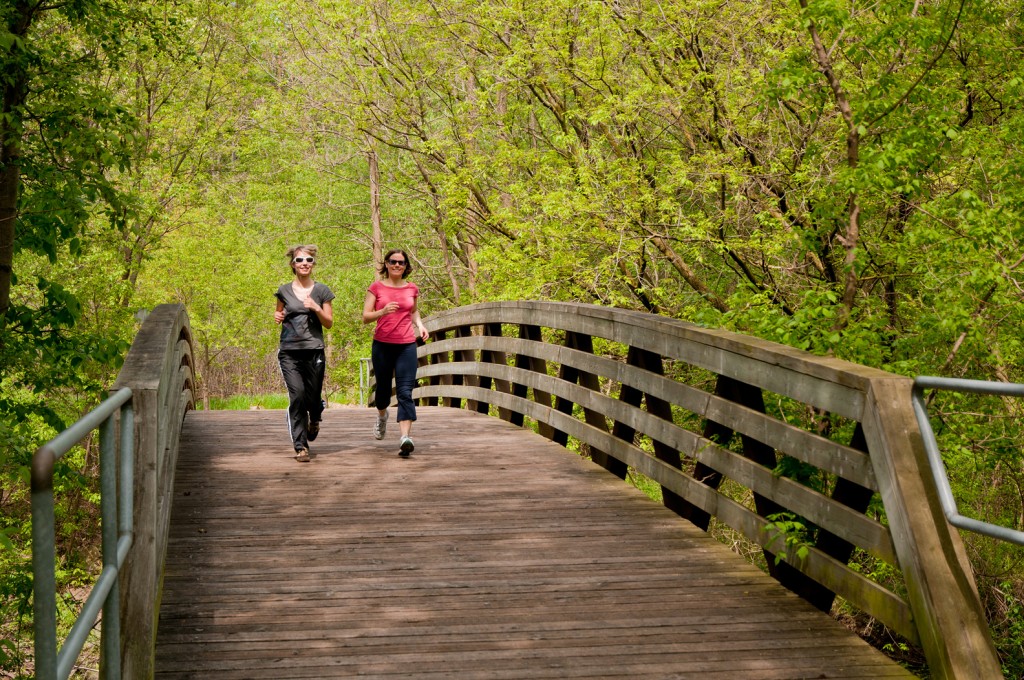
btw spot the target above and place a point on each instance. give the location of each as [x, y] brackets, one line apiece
[438, 358]
[652, 363]
[632, 397]
[582, 343]
[519, 389]
[460, 355]
[127, 484]
[490, 356]
[533, 333]
[853, 496]
[44, 556]
[110, 648]
[436, 336]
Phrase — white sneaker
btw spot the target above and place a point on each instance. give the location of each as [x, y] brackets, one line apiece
[406, 447]
[381, 426]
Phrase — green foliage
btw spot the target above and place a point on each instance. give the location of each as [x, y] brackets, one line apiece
[245, 402]
[793, 534]
[698, 160]
[648, 486]
[1005, 607]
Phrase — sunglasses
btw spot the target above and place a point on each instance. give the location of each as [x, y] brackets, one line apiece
[396, 262]
[299, 260]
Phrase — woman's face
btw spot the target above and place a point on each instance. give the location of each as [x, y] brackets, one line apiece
[396, 264]
[302, 262]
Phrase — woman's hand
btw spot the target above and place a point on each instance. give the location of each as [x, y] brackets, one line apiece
[389, 308]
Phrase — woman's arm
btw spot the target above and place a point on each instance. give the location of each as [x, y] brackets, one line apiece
[279, 312]
[369, 302]
[324, 312]
[415, 316]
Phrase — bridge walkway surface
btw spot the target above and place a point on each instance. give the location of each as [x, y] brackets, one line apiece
[490, 553]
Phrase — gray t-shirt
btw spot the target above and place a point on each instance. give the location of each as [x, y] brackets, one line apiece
[301, 328]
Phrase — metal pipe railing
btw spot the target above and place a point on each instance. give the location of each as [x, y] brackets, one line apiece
[116, 514]
[938, 467]
[365, 379]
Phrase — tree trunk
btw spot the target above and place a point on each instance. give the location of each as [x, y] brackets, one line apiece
[14, 94]
[377, 237]
[10, 179]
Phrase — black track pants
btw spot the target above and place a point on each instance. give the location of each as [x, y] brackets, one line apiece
[303, 371]
[395, 363]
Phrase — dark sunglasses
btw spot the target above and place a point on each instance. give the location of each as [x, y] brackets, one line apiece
[396, 262]
[310, 260]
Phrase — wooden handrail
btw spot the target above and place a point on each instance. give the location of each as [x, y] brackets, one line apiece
[159, 371]
[709, 415]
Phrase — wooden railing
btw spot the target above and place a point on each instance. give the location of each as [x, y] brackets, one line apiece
[785, 448]
[158, 369]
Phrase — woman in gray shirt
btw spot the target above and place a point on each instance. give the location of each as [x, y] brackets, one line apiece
[304, 310]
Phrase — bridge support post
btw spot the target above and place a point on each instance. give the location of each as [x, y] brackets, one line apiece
[139, 577]
[940, 585]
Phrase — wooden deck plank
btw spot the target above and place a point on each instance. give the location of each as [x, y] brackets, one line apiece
[490, 553]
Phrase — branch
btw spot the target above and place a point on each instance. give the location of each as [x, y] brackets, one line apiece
[924, 72]
[686, 272]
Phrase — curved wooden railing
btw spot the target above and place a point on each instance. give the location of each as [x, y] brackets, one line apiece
[158, 369]
[717, 419]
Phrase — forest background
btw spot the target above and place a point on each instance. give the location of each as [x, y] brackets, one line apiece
[845, 177]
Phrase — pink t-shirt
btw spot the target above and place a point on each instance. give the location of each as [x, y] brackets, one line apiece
[396, 327]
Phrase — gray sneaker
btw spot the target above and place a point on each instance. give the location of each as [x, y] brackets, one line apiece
[406, 447]
[381, 426]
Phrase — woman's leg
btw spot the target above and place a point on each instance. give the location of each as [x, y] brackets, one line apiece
[405, 381]
[382, 357]
[315, 369]
[293, 374]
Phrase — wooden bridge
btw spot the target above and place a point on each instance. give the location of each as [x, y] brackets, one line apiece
[490, 553]
[495, 553]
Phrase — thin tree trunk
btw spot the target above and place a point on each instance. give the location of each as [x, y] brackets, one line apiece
[851, 238]
[10, 179]
[377, 237]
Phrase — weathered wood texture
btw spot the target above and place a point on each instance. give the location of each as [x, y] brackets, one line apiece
[490, 553]
[702, 411]
[158, 369]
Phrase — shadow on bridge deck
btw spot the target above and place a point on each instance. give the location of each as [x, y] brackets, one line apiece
[490, 553]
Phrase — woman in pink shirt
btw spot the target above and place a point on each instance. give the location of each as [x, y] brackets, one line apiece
[391, 303]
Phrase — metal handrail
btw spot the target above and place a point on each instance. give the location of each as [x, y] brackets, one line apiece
[116, 516]
[931, 446]
[365, 379]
